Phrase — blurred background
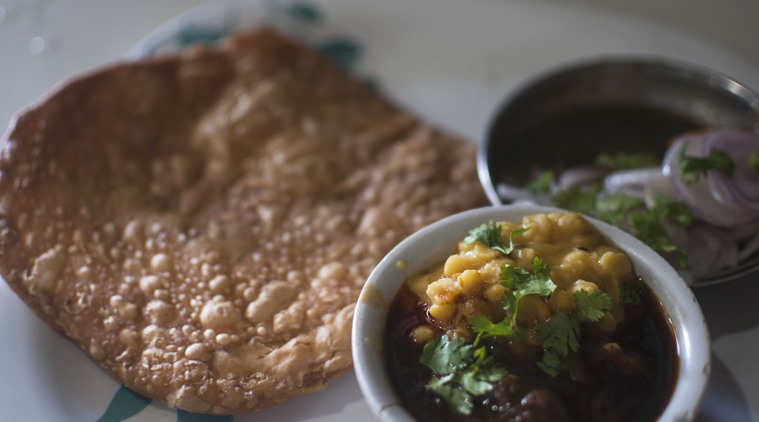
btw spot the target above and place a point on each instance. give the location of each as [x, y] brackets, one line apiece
[44, 41]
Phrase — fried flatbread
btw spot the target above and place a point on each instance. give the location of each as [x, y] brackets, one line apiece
[201, 225]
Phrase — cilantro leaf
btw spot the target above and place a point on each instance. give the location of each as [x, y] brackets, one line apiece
[510, 301]
[542, 185]
[614, 207]
[625, 160]
[541, 283]
[692, 168]
[473, 383]
[513, 276]
[647, 226]
[538, 283]
[519, 283]
[630, 293]
[489, 234]
[486, 328]
[753, 162]
[577, 199]
[560, 334]
[481, 374]
[443, 356]
[550, 363]
[676, 211]
[459, 372]
[458, 399]
[458, 388]
[592, 305]
[513, 233]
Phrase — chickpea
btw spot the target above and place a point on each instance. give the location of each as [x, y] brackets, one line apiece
[470, 281]
[541, 228]
[587, 286]
[525, 256]
[473, 306]
[442, 312]
[422, 334]
[494, 293]
[443, 291]
[532, 309]
[607, 324]
[491, 271]
[574, 265]
[456, 264]
[570, 223]
[615, 265]
[561, 300]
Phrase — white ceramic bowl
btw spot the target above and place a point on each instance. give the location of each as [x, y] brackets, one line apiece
[434, 243]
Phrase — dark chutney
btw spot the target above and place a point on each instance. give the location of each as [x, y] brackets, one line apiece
[595, 384]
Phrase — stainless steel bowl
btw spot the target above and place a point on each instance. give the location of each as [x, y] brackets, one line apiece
[680, 89]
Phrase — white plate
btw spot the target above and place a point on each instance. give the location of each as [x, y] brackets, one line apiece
[451, 61]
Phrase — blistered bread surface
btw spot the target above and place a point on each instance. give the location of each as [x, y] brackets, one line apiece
[201, 225]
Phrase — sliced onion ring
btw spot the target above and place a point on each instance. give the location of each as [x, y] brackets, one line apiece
[743, 186]
[632, 182]
[711, 201]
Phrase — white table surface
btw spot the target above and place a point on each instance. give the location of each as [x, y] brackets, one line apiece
[45, 41]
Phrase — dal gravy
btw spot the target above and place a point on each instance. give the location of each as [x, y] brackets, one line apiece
[623, 370]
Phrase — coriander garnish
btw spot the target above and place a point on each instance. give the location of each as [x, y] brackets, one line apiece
[560, 335]
[592, 305]
[753, 162]
[518, 283]
[489, 234]
[541, 185]
[460, 371]
[692, 168]
[625, 160]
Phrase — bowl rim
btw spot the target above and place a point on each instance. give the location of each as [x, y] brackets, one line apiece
[431, 244]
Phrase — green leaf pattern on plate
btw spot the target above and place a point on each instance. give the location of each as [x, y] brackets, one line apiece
[124, 404]
[305, 12]
[183, 416]
[342, 51]
[301, 20]
[305, 21]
